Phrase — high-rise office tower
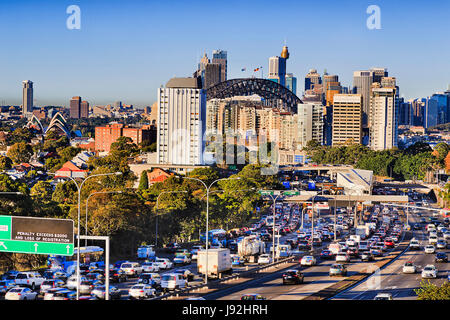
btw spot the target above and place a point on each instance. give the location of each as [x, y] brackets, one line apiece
[327, 78]
[378, 74]
[430, 113]
[347, 119]
[84, 109]
[362, 82]
[220, 57]
[277, 67]
[291, 83]
[418, 107]
[75, 107]
[27, 98]
[181, 122]
[383, 117]
[405, 112]
[443, 101]
[312, 78]
[210, 73]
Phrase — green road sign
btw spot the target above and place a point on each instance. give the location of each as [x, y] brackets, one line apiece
[291, 193]
[36, 235]
[266, 192]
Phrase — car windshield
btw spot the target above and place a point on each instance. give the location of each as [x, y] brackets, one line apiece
[167, 277]
[16, 290]
[137, 287]
[126, 265]
[428, 269]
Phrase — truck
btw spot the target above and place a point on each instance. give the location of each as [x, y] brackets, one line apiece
[334, 248]
[146, 252]
[219, 262]
[362, 231]
[251, 247]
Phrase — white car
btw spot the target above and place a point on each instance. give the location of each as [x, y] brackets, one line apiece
[20, 293]
[163, 263]
[31, 279]
[308, 261]
[141, 291]
[171, 281]
[50, 293]
[429, 271]
[131, 268]
[72, 281]
[342, 257]
[264, 259]
[383, 296]
[430, 249]
[150, 267]
[441, 244]
[432, 239]
[446, 235]
[53, 283]
[100, 292]
[181, 260]
[409, 267]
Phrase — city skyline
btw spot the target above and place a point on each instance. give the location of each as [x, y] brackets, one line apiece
[126, 57]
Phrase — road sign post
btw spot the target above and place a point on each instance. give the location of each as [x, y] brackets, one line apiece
[36, 235]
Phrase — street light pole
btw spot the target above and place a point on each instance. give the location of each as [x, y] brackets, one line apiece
[87, 201]
[207, 214]
[156, 208]
[79, 214]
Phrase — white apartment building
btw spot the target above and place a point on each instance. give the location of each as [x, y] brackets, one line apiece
[383, 119]
[181, 122]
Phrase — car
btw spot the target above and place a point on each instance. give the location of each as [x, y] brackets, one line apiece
[163, 263]
[131, 269]
[20, 293]
[95, 276]
[5, 285]
[31, 279]
[446, 235]
[61, 275]
[87, 286]
[338, 269]
[172, 281]
[383, 296]
[141, 291]
[409, 267]
[430, 249]
[72, 281]
[326, 254]
[150, 267]
[172, 247]
[308, 261]
[181, 260]
[9, 275]
[441, 244]
[414, 244]
[100, 292]
[237, 260]
[117, 275]
[429, 271]
[186, 273]
[154, 279]
[388, 242]
[252, 296]
[366, 256]
[64, 295]
[265, 259]
[432, 239]
[293, 276]
[49, 294]
[53, 283]
[441, 257]
[342, 257]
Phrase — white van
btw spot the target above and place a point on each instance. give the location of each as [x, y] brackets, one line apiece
[172, 281]
[131, 268]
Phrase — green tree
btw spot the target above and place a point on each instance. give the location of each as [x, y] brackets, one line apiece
[430, 291]
[20, 152]
[5, 163]
[143, 182]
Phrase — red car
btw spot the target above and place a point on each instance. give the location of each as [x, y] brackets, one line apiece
[388, 243]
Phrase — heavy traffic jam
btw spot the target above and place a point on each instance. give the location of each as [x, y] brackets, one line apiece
[338, 240]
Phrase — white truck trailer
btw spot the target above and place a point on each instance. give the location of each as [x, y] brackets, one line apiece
[219, 262]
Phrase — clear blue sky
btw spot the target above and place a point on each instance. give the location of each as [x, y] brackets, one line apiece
[126, 49]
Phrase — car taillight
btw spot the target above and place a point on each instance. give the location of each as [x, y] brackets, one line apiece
[141, 291]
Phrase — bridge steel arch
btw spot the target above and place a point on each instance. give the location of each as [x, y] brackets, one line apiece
[266, 89]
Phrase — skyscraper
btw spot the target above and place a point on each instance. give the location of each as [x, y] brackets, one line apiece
[347, 119]
[291, 83]
[383, 117]
[210, 73]
[220, 57]
[27, 98]
[378, 74]
[84, 109]
[312, 78]
[430, 113]
[277, 67]
[75, 107]
[362, 82]
[181, 122]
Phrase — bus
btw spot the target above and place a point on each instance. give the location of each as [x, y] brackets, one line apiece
[216, 237]
[88, 255]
